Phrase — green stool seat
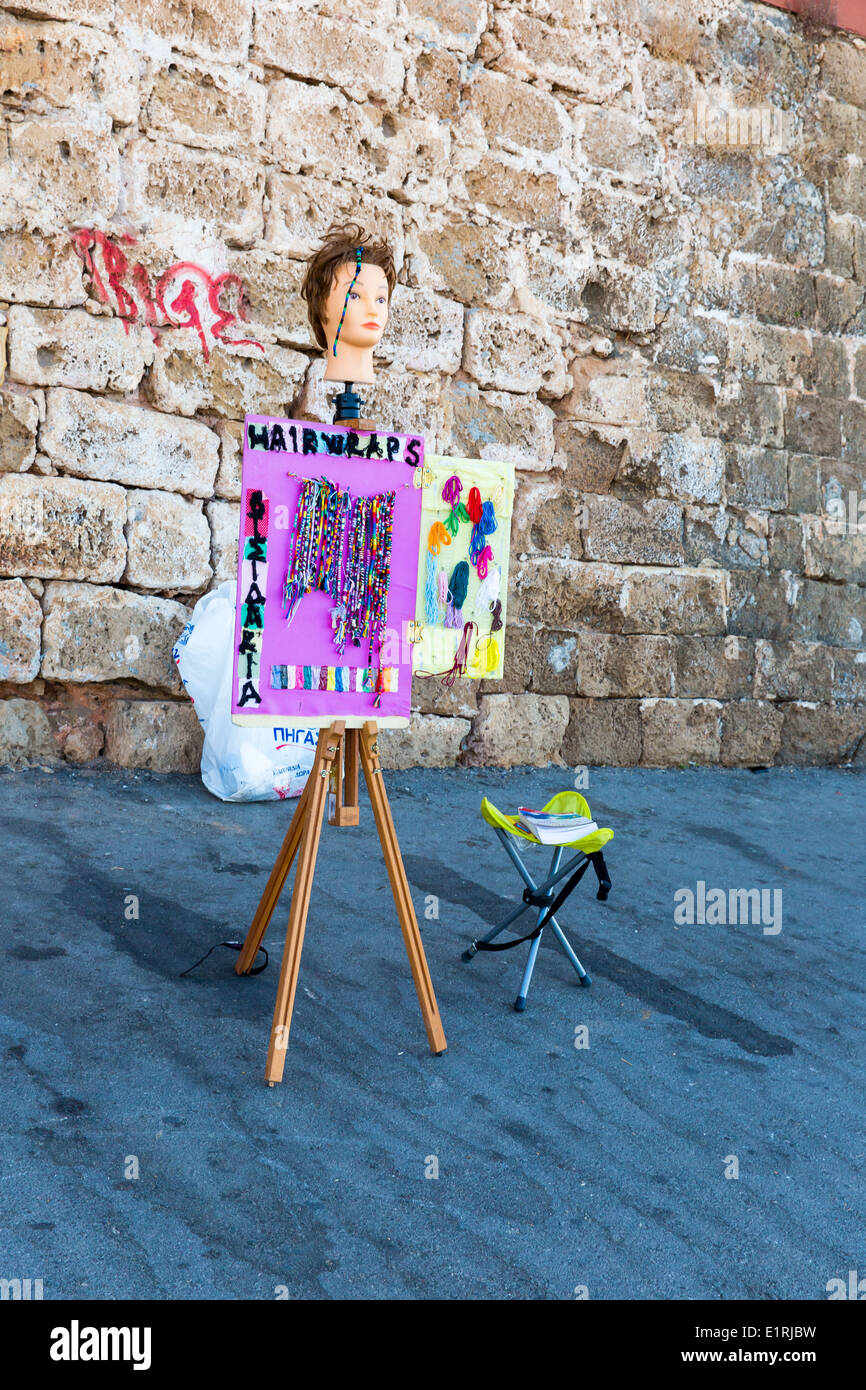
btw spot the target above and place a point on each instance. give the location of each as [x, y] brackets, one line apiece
[545, 896]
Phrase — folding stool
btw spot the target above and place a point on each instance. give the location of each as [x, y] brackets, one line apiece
[543, 896]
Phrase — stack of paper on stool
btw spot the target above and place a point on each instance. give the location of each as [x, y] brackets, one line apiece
[552, 829]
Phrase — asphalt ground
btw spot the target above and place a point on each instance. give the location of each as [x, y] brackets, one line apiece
[607, 1167]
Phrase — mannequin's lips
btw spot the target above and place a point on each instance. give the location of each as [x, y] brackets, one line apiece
[371, 325]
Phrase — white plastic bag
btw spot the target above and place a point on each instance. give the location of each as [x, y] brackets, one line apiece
[238, 762]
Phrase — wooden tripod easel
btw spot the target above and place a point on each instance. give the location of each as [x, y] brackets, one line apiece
[335, 775]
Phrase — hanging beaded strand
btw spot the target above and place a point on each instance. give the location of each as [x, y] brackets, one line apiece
[348, 292]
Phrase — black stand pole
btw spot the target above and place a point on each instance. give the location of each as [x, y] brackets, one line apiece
[347, 405]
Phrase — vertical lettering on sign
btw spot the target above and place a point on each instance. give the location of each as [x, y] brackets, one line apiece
[254, 588]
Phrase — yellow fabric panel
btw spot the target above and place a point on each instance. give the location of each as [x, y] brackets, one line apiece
[564, 803]
[435, 652]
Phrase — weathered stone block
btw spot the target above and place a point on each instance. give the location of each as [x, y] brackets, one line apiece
[429, 741]
[218, 29]
[756, 477]
[25, 734]
[753, 415]
[299, 207]
[610, 665]
[693, 344]
[783, 607]
[56, 347]
[843, 71]
[61, 171]
[569, 594]
[617, 297]
[159, 735]
[849, 675]
[751, 733]
[518, 196]
[606, 393]
[813, 424]
[833, 551]
[714, 667]
[512, 730]
[639, 533]
[20, 631]
[168, 540]
[792, 671]
[550, 283]
[196, 103]
[19, 417]
[520, 663]
[724, 537]
[432, 696]
[681, 402]
[425, 332]
[39, 270]
[437, 84]
[814, 734]
[469, 263]
[317, 130]
[513, 352]
[547, 519]
[690, 602]
[236, 381]
[335, 51]
[61, 528]
[94, 632]
[231, 438]
[552, 663]
[224, 519]
[511, 112]
[681, 731]
[854, 434]
[592, 456]
[804, 482]
[99, 13]
[616, 140]
[616, 220]
[785, 548]
[55, 65]
[769, 355]
[497, 425]
[168, 185]
[272, 303]
[456, 24]
[606, 733]
[567, 53]
[125, 444]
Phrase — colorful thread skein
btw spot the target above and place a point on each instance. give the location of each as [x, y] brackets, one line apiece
[488, 591]
[451, 491]
[484, 526]
[457, 587]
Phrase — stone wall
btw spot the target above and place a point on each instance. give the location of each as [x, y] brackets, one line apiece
[632, 247]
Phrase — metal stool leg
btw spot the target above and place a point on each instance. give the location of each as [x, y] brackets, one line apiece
[566, 946]
[520, 1001]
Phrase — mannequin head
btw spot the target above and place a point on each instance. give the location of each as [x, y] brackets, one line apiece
[348, 306]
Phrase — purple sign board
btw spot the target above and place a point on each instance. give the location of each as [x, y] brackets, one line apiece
[290, 660]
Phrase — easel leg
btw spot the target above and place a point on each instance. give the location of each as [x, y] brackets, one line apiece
[274, 886]
[400, 888]
[327, 750]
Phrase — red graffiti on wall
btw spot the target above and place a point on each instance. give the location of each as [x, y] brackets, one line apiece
[185, 296]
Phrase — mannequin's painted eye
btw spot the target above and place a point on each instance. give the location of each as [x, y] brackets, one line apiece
[381, 299]
[354, 294]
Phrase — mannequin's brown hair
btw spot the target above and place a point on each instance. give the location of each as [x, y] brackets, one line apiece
[338, 246]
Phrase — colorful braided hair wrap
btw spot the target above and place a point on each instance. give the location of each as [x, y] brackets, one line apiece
[348, 292]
